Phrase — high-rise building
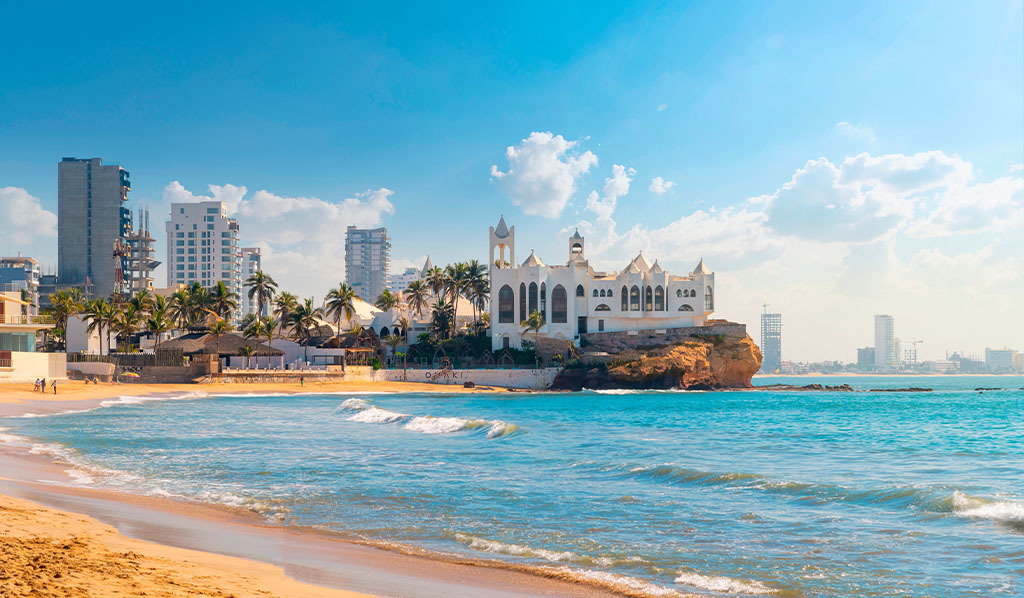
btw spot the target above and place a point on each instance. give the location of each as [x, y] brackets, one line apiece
[251, 260]
[866, 358]
[367, 258]
[886, 352]
[1003, 361]
[771, 341]
[91, 220]
[20, 274]
[202, 246]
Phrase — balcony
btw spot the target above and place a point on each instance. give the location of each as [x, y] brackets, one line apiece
[25, 320]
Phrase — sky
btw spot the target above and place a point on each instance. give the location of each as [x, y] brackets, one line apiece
[830, 160]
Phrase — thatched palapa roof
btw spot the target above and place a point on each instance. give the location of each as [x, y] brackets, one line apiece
[227, 345]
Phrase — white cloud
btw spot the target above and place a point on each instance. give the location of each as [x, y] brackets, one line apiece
[984, 207]
[660, 185]
[23, 218]
[858, 131]
[662, 107]
[614, 188]
[302, 238]
[542, 173]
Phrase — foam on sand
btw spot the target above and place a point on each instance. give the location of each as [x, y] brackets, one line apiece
[368, 413]
[724, 585]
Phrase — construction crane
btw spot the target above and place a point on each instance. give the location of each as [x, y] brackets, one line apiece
[910, 355]
[121, 251]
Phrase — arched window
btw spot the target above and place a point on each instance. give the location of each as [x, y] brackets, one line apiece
[580, 292]
[679, 292]
[595, 292]
[506, 305]
[709, 300]
[559, 305]
[648, 299]
[602, 292]
[533, 300]
[609, 292]
[602, 307]
[522, 302]
[384, 332]
[625, 298]
[544, 301]
[685, 308]
[659, 298]
[634, 298]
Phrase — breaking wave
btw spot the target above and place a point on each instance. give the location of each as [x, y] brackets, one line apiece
[365, 412]
[1004, 512]
[724, 585]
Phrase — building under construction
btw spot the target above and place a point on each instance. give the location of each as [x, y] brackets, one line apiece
[138, 262]
[771, 342]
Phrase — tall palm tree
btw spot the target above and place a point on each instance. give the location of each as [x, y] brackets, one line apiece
[159, 321]
[478, 287]
[404, 323]
[442, 318]
[223, 301]
[65, 304]
[392, 340]
[143, 301]
[455, 286]
[218, 329]
[261, 288]
[284, 305]
[386, 301]
[177, 308]
[126, 321]
[100, 314]
[435, 280]
[341, 302]
[303, 321]
[197, 304]
[416, 296]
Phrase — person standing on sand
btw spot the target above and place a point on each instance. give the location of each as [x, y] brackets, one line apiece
[35, 386]
[43, 387]
[302, 381]
[54, 385]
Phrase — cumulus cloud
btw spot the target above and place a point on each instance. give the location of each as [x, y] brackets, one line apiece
[859, 132]
[542, 173]
[614, 187]
[984, 207]
[660, 185]
[23, 218]
[302, 239]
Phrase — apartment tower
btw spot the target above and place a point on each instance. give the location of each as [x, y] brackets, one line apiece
[251, 260]
[202, 246]
[771, 341]
[886, 350]
[92, 220]
[367, 259]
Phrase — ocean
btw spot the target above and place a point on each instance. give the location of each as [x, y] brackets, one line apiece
[743, 493]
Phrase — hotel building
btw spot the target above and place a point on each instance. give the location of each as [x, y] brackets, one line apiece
[21, 274]
[575, 299]
[367, 259]
[202, 246]
[886, 350]
[251, 264]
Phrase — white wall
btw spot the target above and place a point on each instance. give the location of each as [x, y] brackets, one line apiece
[80, 340]
[27, 366]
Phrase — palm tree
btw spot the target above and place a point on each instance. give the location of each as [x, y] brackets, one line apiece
[219, 328]
[392, 340]
[441, 318]
[247, 351]
[284, 305]
[303, 320]
[435, 282]
[65, 304]
[177, 308]
[416, 295]
[99, 313]
[404, 323]
[254, 329]
[386, 301]
[478, 287]
[262, 288]
[159, 322]
[341, 302]
[534, 322]
[143, 301]
[222, 300]
[126, 321]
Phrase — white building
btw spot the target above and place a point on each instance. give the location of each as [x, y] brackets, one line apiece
[1003, 361]
[19, 360]
[575, 299]
[397, 283]
[202, 246]
[251, 264]
[886, 352]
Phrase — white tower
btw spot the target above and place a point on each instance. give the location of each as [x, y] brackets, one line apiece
[502, 238]
[576, 246]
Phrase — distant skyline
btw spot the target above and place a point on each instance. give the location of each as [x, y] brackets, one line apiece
[832, 161]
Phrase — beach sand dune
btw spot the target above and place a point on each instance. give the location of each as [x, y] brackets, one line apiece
[45, 552]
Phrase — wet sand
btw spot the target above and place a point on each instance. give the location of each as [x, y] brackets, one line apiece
[129, 545]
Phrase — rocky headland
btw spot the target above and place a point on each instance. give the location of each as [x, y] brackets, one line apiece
[720, 355]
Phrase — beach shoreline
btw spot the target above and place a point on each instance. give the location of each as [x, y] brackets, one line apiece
[243, 548]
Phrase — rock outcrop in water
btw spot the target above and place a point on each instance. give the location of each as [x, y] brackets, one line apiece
[720, 355]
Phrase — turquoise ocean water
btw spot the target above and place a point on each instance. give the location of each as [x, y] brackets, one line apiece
[718, 493]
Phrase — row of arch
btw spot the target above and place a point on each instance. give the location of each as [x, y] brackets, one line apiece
[534, 298]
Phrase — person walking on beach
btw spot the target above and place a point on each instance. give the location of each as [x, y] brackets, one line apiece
[35, 386]
[54, 385]
[302, 380]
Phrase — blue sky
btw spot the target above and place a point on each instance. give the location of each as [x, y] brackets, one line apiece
[728, 102]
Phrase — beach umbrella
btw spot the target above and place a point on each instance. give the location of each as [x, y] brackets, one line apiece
[130, 374]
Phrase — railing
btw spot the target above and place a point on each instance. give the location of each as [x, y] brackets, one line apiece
[163, 358]
[20, 319]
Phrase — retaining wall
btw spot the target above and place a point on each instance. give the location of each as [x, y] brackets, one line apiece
[26, 366]
[534, 379]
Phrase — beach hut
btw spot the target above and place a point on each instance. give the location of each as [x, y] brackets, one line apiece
[225, 346]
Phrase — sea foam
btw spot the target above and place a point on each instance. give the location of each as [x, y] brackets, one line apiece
[1004, 512]
[368, 413]
[724, 585]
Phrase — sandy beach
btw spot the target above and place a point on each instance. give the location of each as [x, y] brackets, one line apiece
[59, 539]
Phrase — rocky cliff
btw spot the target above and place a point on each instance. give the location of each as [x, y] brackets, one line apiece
[689, 359]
